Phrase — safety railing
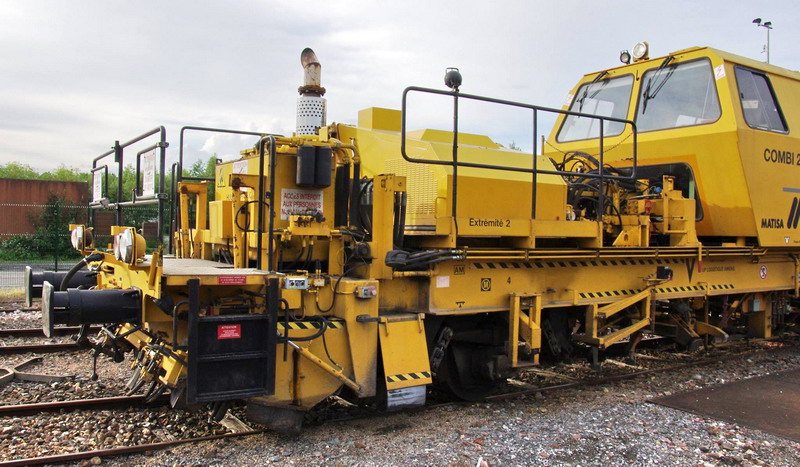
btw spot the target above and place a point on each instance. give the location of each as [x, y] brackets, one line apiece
[177, 172]
[534, 170]
[149, 189]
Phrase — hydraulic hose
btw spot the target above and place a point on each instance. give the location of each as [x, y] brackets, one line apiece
[85, 261]
[323, 328]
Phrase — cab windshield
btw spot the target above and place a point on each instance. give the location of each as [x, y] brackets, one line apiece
[677, 95]
[608, 97]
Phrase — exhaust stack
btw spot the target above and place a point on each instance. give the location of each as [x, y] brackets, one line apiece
[310, 104]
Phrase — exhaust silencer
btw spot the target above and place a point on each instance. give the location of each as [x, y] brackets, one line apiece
[310, 104]
[89, 306]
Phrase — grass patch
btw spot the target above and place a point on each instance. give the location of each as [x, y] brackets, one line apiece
[12, 295]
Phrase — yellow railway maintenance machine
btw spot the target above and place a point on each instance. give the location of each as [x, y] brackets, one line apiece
[371, 261]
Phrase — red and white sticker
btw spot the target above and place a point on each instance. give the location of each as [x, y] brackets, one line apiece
[232, 280]
[763, 272]
[229, 331]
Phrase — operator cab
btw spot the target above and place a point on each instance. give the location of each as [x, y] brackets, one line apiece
[711, 120]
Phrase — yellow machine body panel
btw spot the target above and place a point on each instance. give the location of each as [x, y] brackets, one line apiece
[430, 186]
[404, 351]
[301, 383]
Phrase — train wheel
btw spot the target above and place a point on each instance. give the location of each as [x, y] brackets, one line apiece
[470, 372]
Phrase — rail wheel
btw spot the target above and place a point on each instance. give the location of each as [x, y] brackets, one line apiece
[471, 372]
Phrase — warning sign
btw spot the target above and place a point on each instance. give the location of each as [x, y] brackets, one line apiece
[149, 173]
[232, 280]
[97, 186]
[229, 331]
[239, 167]
[300, 202]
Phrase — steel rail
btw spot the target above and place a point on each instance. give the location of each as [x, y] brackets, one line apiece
[11, 309]
[41, 348]
[615, 378]
[39, 332]
[120, 451]
[18, 410]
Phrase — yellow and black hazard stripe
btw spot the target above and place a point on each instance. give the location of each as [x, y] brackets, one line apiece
[661, 290]
[311, 324]
[583, 264]
[609, 293]
[688, 288]
[408, 377]
[692, 288]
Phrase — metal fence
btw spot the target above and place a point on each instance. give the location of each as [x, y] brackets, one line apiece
[38, 235]
[12, 273]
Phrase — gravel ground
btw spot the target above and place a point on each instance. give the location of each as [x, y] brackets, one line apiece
[60, 433]
[20, 319]
[77, 365]
[604, 425]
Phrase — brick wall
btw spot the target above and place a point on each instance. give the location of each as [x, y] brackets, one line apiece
[21, 201]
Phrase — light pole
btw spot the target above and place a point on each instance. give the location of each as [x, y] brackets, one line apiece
[768, 25]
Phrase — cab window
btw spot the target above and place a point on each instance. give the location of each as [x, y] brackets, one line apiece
[608, 97]
[677, 95]
[759, 105]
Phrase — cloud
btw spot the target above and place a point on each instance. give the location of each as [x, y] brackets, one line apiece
[77, 77]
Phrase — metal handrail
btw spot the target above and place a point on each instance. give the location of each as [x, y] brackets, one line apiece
[118, 152]
[260, 197]
[534, 170]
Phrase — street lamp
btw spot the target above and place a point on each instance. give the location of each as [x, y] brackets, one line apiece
[768, 25]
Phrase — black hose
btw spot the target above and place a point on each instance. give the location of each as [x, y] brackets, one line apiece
[364, 218]
[428, 262]
[243, 210]
[336, 286]
[322, 329]
[85, 261]
[354, 191]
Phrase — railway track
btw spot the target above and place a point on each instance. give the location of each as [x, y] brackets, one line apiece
[4, 308]
[38, 332]
[41, 348]
[19, 410]
[518, 389]
[122, 450]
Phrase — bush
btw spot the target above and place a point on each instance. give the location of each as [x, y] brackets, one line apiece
[50, 239]
[19, 247]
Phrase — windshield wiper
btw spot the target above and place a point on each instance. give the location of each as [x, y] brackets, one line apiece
[647, 95]
[586, 90]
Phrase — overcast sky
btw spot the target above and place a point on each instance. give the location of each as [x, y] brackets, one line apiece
[77, 75]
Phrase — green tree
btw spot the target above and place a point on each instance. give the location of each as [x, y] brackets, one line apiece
[51, 237]
[205, 169]
[52, 226]
[66, 174]
[18, 171]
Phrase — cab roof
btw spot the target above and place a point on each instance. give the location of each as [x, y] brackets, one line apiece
[726, 56]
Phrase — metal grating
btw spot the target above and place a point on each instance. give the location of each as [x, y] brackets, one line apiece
[422, 187]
